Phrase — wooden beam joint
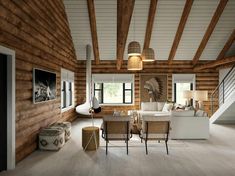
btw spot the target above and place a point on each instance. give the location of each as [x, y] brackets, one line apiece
[94, 36]
[216, 63]
[124, 13]
[183, 20]
[210, 29]
[150, 22]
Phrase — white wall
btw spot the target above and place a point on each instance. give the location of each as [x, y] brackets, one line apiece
[223, 73]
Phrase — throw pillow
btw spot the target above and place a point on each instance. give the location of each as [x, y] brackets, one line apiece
[167, 107]
[179, 106]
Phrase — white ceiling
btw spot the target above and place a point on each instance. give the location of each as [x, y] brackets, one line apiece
[222, 32]
[167, 18]
[195, 28]
[79, 25]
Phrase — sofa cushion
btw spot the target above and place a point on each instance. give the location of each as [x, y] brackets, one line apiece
[167, 107]
[188, 113]
[149, 106]
[160, 105]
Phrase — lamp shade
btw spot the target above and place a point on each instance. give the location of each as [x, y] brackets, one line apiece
[200, 95]
[95, 105]
[148, 55]
[134, 49]
[134, 63]
[187, 94]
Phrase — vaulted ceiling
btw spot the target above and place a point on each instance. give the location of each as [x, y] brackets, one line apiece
[181, 29]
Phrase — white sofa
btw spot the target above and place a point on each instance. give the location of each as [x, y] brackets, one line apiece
[152, 108]
[187, 125]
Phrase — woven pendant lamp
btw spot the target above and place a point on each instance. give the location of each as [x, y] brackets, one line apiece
[134, 49]
[134, 63]
[148, 55]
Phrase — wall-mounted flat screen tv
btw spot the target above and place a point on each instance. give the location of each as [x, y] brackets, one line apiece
[44, 85]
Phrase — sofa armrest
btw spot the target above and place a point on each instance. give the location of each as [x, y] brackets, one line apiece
[189, 128]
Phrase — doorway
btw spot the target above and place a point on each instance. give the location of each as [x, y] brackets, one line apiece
[3, 112]
[7, 108]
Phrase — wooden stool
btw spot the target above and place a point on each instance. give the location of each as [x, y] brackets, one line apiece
[86, 136]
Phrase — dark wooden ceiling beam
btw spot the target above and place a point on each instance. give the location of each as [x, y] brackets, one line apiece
[94, 36]
[124, 13]
[210, 29]
[216, 63]
[227, 45]
[183, 20]
[150, 22]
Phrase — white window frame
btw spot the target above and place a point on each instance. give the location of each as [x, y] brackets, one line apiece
[67, 76]
[115, 78]
[182, 78]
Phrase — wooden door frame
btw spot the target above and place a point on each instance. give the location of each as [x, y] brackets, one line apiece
[10, 106]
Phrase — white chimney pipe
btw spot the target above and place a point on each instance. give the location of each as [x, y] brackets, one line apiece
[84, 108]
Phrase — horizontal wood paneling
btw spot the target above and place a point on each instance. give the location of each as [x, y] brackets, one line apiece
[40, 35]
[205, 80]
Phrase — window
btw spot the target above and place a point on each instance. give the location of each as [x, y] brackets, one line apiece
[178, 89]
[113, 89]
[114, 93]
[67, 89]
[182, 82]
[63, 95]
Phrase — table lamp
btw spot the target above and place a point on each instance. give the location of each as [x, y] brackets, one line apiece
[200, 96]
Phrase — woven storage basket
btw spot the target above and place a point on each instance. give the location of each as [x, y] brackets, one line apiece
[51, 138]
[67, 129]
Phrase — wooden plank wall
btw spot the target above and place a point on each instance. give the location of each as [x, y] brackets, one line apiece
[39, 33]
[205, 80]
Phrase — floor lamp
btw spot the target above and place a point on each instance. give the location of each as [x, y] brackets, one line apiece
[95, 108]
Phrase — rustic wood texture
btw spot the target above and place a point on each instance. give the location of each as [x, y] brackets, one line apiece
[150, 22]
[227, 45]
[205, 80]
[218, 12]
[40, 35]
[180, 30]
[124, 13]
[216, 63]
[92, 17]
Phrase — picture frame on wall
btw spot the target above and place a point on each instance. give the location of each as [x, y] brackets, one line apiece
[153, 87]
[44, 85]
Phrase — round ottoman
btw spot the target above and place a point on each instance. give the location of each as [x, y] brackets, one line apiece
[51, 138]
[87, 133]
[67, 129]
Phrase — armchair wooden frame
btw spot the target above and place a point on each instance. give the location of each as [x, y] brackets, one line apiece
[117, 128]
[155, 128]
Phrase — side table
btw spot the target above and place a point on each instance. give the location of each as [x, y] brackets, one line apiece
[90, 138]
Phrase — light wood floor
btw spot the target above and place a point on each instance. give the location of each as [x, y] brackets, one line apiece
[215, 157]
